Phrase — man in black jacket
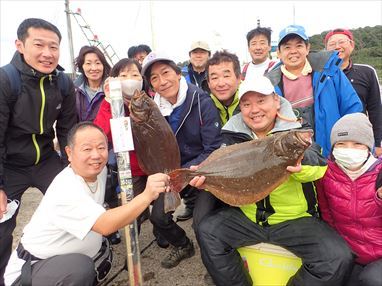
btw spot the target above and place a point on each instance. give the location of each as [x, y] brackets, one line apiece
[27, 155]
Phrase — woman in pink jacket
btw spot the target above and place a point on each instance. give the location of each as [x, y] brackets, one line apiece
[350, 196]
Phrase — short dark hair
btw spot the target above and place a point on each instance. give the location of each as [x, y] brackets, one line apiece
[22, 30]
[126, 62]
[259, 31]
[221, 57]
[78, 127]
[80, 60]
[122, 64]
[291, 37]
[133, 50]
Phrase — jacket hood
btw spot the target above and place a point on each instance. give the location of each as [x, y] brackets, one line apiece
[237, 124]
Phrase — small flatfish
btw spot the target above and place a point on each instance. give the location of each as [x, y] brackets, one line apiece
[154, 142]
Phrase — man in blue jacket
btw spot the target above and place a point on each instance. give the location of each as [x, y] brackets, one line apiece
[313, 83]
[196, 125]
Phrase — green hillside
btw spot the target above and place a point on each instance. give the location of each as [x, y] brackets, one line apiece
[368, 46]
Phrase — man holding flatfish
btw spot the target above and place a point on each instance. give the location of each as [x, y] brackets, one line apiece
[287, 216]
[194, 122]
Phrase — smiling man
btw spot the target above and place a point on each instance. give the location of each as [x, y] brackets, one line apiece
[223, 74]
[259, 47]
[195, 72]
[314, 84]
[287, 217]
[65, 232]
[195, 122]
[34, 94]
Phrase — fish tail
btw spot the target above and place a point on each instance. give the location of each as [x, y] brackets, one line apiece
[179, 179]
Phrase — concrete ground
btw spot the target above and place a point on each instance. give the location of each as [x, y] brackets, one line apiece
[189, 272]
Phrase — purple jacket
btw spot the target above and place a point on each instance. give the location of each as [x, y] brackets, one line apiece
[86, 111]
[353, 209]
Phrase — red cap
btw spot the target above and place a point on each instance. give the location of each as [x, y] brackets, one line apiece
[338, 31]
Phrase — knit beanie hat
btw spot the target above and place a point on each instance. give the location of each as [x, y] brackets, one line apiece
[353, 127]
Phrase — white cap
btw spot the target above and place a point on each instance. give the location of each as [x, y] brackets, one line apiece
[200, 45]
[152, 58]
[260, 84]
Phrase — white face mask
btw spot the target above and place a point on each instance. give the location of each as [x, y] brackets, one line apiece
[350, 158]
[129, 86]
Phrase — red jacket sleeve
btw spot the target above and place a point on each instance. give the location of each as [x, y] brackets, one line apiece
[103, 118]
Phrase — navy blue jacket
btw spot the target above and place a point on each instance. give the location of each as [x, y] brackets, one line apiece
[198, 131]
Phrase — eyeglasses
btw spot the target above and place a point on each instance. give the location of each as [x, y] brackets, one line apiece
[342, 42]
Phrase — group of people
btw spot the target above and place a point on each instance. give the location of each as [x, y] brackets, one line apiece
[328, 212]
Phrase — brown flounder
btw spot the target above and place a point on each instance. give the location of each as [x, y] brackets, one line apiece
[245, 173]
[154, 142]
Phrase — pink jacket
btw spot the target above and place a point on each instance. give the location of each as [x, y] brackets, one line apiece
[353, 209]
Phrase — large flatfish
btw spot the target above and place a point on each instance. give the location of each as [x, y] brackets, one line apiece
[245, 173]
[154, 142]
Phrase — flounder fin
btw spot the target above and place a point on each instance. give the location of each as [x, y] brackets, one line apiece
[179, 179]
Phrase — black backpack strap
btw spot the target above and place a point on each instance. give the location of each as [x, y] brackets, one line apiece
[14, 81]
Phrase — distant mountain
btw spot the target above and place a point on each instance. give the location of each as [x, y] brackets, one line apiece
[368, 46]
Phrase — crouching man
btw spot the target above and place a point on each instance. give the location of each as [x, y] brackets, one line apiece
[288, 217]
[66, 230]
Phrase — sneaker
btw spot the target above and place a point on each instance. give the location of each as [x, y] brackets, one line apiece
[177, 254]
[114, 238]
[208, 280]
[186, 214]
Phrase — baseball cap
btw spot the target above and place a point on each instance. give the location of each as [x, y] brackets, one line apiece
[200, 45]
[152, 58]
[260, 84]
[338, 31]
[293, 29]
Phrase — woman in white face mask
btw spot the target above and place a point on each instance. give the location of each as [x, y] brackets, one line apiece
[350, 195]
[128, 71]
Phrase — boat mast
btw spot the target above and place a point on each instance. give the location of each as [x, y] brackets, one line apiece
[70, 38]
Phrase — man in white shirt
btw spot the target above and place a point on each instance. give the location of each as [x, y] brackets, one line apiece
[66, 230]
[259, 47]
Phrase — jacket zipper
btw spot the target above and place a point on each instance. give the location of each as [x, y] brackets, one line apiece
[184, 119]
[41, 120]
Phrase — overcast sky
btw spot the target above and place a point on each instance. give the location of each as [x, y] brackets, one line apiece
[171, 26]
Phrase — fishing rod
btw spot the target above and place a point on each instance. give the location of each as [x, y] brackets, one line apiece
[122, 144]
